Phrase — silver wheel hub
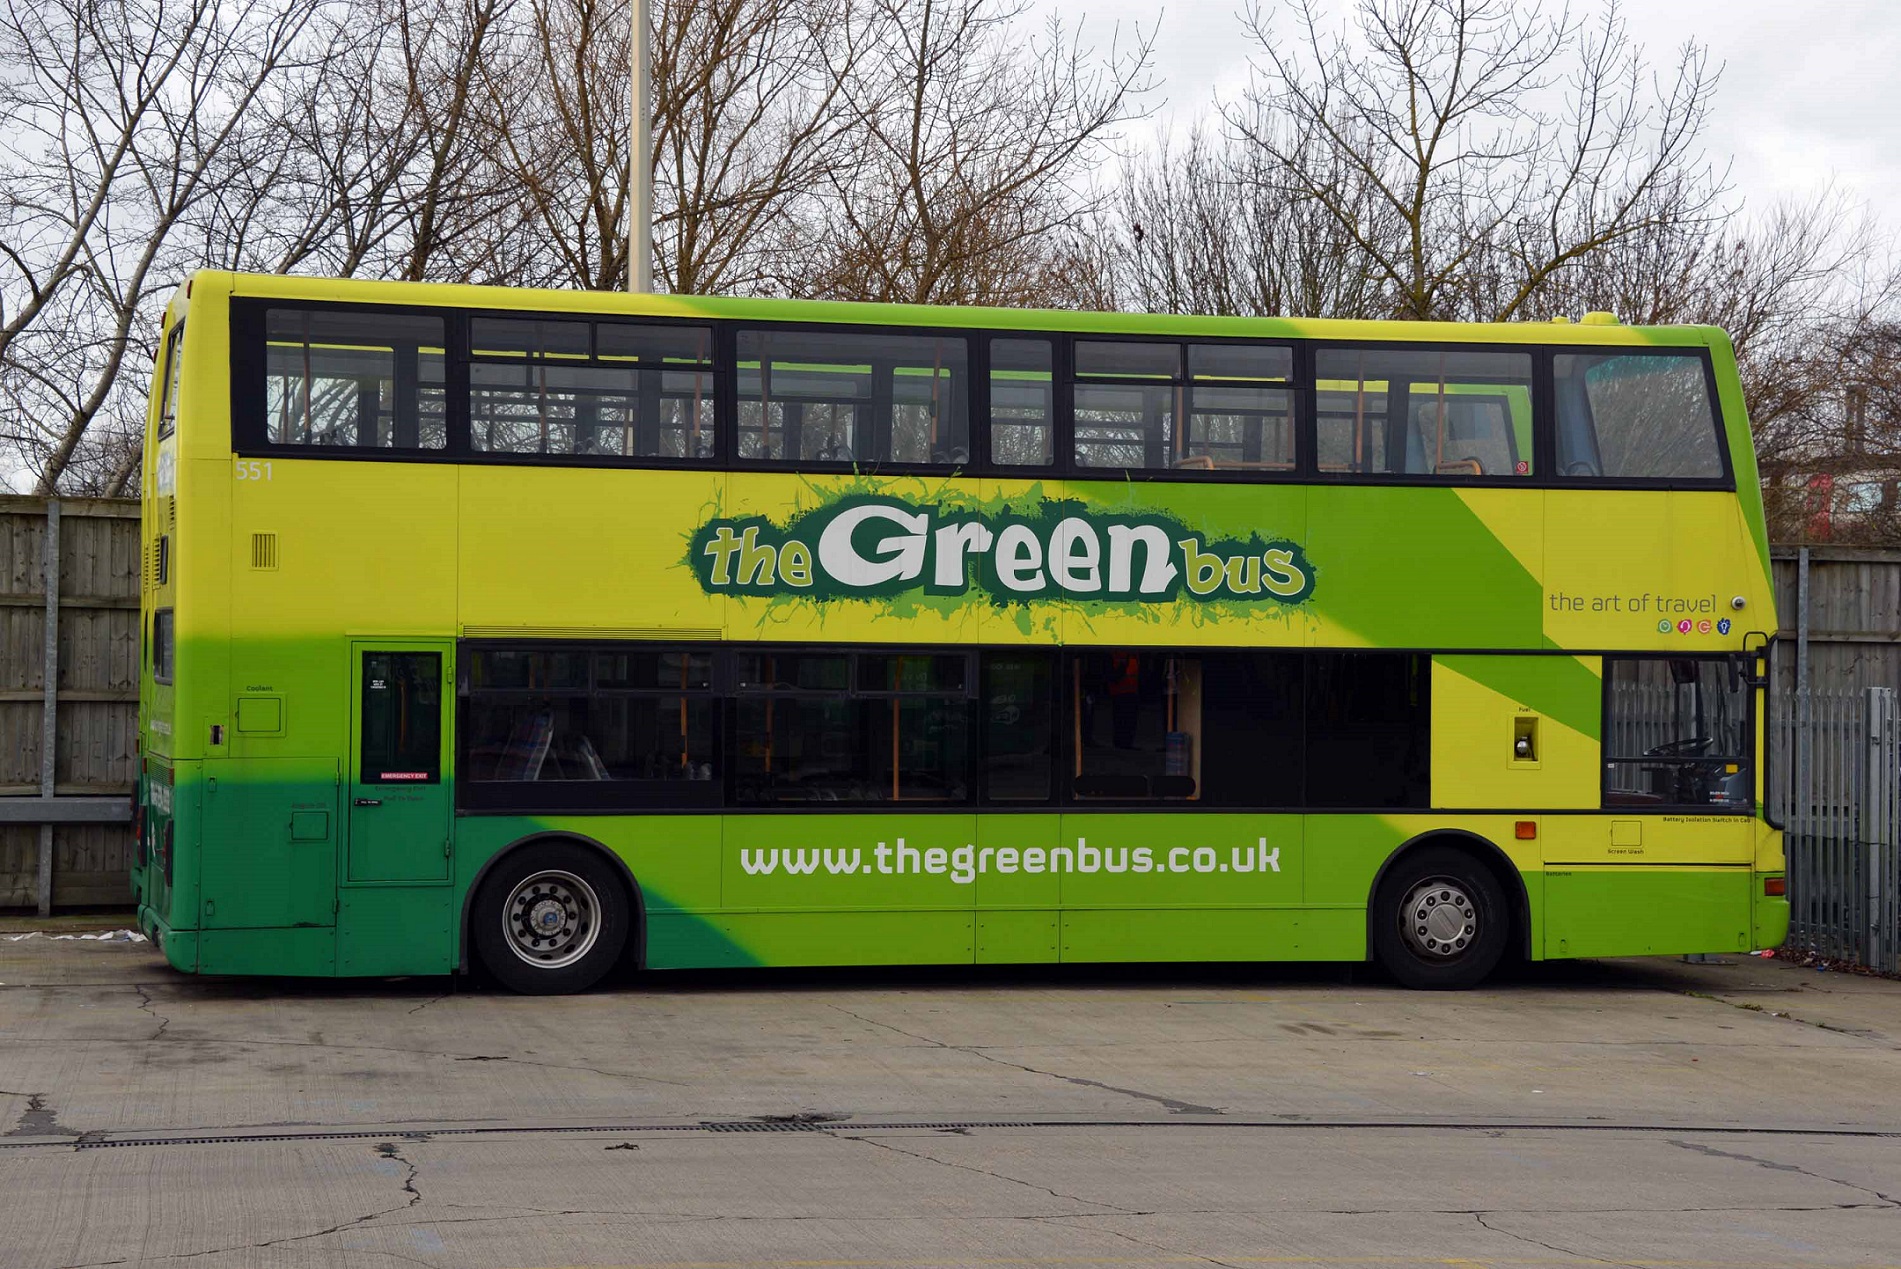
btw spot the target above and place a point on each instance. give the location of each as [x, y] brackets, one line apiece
[552, 919]
[1439, 919]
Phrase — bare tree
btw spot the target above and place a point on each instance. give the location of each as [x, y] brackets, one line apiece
[1204, 227]
[973, 146]
[554, 124]
[748, 123]
[121, 120]
[444, 48]
[1471, 150]
[745, 120]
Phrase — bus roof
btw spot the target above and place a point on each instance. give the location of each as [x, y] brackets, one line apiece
[1596, 332]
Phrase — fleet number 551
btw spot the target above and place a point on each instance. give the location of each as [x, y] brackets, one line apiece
[252, 469]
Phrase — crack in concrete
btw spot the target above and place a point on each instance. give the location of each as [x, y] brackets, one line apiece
[892, 1026]
[385, 1150]
[1711, 1151]
[996, 1176]
[1174, 1105]
[145, 1006]
[1853, 1033]
[433, 1000]
[1173, 1252]
[1537, 1242]
[388, 1150]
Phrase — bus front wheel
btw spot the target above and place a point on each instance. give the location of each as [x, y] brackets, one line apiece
[551, 918]
[1440, 920]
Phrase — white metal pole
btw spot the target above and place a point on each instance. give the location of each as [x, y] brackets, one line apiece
[640, 157]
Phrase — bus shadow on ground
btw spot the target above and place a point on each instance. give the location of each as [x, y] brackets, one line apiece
[1085, 978]
[989, 979]
[1654, 974]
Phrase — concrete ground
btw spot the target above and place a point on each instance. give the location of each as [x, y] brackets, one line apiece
[1743, 1113]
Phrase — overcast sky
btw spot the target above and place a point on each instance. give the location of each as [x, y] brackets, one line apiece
[1810, 92]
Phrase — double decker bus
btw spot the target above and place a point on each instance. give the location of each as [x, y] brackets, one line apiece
[547, 630]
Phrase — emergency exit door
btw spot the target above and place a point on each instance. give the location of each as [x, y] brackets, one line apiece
[399, 801]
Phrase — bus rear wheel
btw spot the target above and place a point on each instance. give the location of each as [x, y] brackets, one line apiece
[550, 918]
[1440, 920]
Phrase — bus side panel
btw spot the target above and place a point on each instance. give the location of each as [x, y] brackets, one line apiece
[171, 896]
[1624, 911]
[581, 550]
[1193, 886]
[675, 860]
[270, 845]
[1515, 732]
[1019, 913]
[1651, 570]
[396, 930]
[310, 951]
[1249, 934]
[1648, 839]
[854, 938]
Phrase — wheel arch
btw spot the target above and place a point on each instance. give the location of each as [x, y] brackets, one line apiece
[637, 936]
[1483, 851]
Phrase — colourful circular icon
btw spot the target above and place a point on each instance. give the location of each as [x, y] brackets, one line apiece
[1522, 467]
[1683, 627]
[1664, 627]
[1703, 627]
[1722, 627]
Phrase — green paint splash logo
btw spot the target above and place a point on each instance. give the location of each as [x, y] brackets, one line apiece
[875, 546]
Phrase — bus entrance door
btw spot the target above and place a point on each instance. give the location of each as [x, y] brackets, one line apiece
[399, 801]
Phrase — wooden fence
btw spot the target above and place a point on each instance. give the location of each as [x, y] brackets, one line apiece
[1851, 638]
[68, 704]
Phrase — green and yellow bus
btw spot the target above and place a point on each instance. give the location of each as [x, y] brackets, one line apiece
[543, 630]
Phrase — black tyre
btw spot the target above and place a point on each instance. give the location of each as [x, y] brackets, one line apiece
[551, 918]
[1440, 920]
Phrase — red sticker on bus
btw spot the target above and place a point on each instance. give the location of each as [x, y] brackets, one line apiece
[402, 775]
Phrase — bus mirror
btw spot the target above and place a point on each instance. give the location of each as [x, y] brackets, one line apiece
[1753, 662]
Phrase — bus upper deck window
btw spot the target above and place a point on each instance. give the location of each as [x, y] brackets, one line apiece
[1128, 403]
[855, 399]
[1451, 413]
[1204, 408]
[1022, 407]
[363, 380]
[595, 390]
[1635, 416]
[1240, 410]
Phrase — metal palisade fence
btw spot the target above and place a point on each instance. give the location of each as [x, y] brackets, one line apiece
[1835, 751]
[1843, 836]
